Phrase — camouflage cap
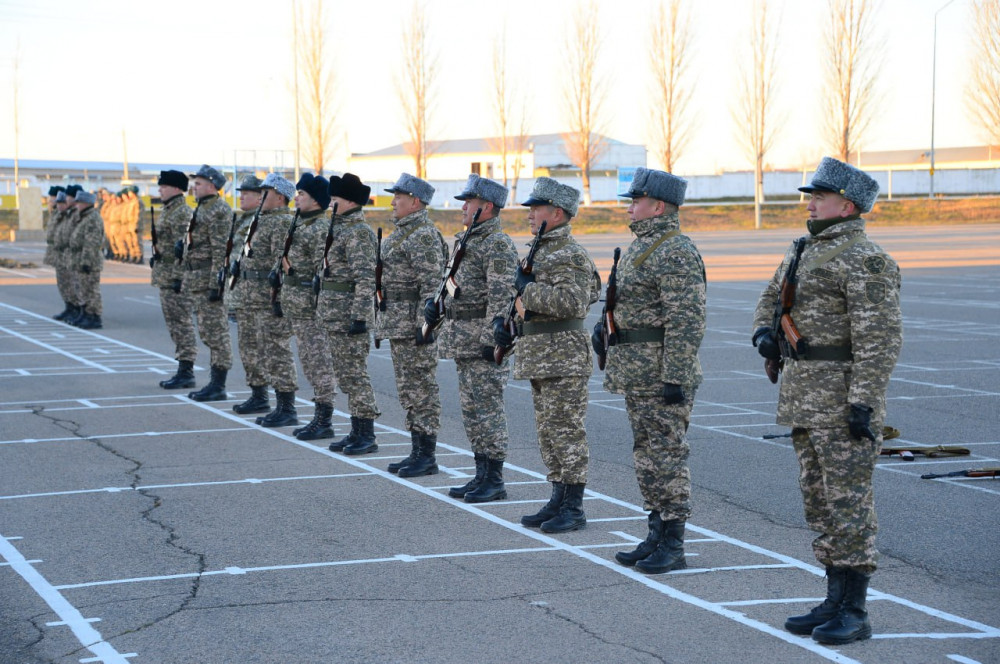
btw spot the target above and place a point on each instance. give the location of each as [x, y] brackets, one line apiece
[212, 175]
[280, 185]
[414, 186]
[487, 190]
[549, 192]
[656, 184]
[86, 197]
[249, 182]
[852, 183]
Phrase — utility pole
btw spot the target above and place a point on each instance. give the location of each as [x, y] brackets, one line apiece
[934, 92]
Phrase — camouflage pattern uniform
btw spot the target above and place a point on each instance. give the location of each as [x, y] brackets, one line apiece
[168, 276]
[202, 261]
[86, 259]
[66, 279]
[559, 364]
[662, 291]
[113, 210]
[130, 226]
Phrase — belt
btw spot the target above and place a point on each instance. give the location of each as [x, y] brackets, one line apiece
[828, 354]
[402, 295]
[167, 259]
[259, 275]
[639, 335]
[339, 286]
[301, 283]
[197, 265]
[466, 314]
[551, 327]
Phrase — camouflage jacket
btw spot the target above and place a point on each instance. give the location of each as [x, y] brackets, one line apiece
[304, 254]
[485, 278]
[62, 237]
[566, 284]
[170, 227]
[663, 289]
[852, 301]
[347, 291]
[207, 253]
[56, 218]
[86, 244]
[252, 288]
[413, 261]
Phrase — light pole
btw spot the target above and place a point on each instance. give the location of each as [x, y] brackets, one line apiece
[933, 93]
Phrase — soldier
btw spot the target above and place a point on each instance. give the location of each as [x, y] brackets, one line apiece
[130, 224]
[846, 308]
[485, 278]
[87, 261]
[203, 252]
[413, 260]
[56, 217]
[659, 318]
[113, 210]
[66, 278]
[554, 353]
[344, 308]
[167, 275]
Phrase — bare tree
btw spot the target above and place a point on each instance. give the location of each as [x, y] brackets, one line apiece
[315, 65]
[853, 57]
[754, 112]
[510, 117]
[418, 89]
[983, 91]
[584, 93]
[669, 52]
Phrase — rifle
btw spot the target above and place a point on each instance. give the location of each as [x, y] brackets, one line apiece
[609, 331]
[152, 234]
[971, 472]
[888, 433]
[782, 326]
[247, 251]
[317, 280]
[189, 233]
[276, 277]
[508, 322]
[224, 270]
[448, 285]
[379, 298]
[930, 452]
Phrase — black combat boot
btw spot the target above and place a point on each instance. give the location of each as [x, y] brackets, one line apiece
[75, 318]
[805, 624]
[425, 463]
[320, 427]
[215, 390]
[549, 510]
[349, 439]
[67, 310]
[669, 553]
[183, 378]
[646, 547]
[90, 322]
[284, 413]
[473, 484]
[414, 451]
[570, 516]
[257, 403]
[365, 443]
[491, 488]
[851, 621]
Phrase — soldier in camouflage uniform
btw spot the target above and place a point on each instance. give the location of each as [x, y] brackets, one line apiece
[344, 307]
[112, 212]
[660, 321]
[87, 261]
[833, 391]
[484, 278]
[413, 260]
[130, 220]
[65, 277]
[554, 350]
[167, 275]
[203, 252]
[57, 208]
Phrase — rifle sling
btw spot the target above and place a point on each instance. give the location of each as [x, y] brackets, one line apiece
[663, 238]
[827, 256]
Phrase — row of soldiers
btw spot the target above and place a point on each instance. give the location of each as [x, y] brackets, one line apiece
[74, 242]
[122, 214]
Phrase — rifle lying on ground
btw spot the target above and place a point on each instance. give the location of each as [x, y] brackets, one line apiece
[971, 472]
[152, 235]
[609, 331]
[499, 352]
[319, 275]
[888, 433]
[782, 326]
[448, 285]
[277, 276]
[224, 270]
[907, 453]
[379, 298]
[247, 251]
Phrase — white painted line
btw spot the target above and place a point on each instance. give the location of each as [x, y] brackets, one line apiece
[935, 635]
[88, 404]
[105, 436]
[60, 623]
[784, 600]
[102, 351]
[54, 349]
[962, 660]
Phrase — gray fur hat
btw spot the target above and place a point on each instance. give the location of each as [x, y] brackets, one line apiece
[487, 190]
[249, 183]
[656, 184]
[852, 183]
[212, 175]
[86, 197]
[61, 197]
[280, 185]
[414, 186]
[549, 192]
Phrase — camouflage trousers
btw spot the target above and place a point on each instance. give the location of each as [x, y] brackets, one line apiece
[88, 293]
[416, 383]
[177, 309]
[480, 394]
[66, 283]
[835, 475]
[350, 368]
[213, 328]
[279, 361]
[560, 411]
[132, 242]
[660, 452]
[314, 355]
[250, 341]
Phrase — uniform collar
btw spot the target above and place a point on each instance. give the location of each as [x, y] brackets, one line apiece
[665, 222]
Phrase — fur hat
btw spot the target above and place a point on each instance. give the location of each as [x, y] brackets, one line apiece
[249, 182]
[317, 186]
[55, 189]
[852, 183]
[173, 179]
[487, 190]
[280, 185]
[350, 187]
[656, 184]
[61, 196]
[212, 175]
[86, 197]
[549, 192]
[414, 186]
[73, 190]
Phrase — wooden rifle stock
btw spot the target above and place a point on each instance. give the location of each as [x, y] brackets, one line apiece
[224, 270]
[786, 334]
[277, 275]
[317, 283]
[152, 236]
[509, 323]
[379, 299]
[448, 284]
[247, 251]
[609, 331]
[971, 472]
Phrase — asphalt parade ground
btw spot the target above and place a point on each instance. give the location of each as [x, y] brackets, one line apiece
[138, 526]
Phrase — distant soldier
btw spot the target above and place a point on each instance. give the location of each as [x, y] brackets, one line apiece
[485, 278]
[554, 350]
[115, 208]
[846, 309]
[105, 208]
[66, 278]
[659, 319]
[87, 261]
[202, 250]
[57, 208]
[130, 224]
[344, 309]
[413, 260]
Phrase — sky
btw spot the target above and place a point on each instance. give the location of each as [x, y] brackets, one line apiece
[194, 81]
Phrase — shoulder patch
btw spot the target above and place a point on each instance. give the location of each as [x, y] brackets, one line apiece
[875, 291]
[875, 264]
[579, 260]
[500, 266]
[426, 239]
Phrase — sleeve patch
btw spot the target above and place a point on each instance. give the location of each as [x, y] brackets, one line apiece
[875, 264]
[500, 266]
[875, 291]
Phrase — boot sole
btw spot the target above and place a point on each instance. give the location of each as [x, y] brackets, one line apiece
[313, 436]
[368, 450]
[251, 411]
[475, 499]
[209, 398]
[182, 386]
[433, 470]
[864, 635]
[682, 564]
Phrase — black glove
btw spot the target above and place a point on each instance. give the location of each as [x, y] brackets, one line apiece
[767, 346]
[274, 278]
[152, 261]
[521, 280]
[501, 335]
[179, 249]
[431, 313]
[422, 340]
[85, 269]
[234, 269]
[176, 285]
[358, 327]
[672, 394]
[214, 295]
[859, 420]
[597, 338]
